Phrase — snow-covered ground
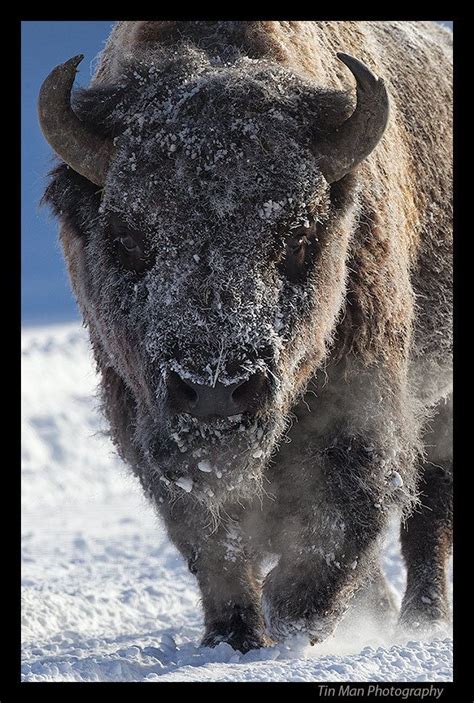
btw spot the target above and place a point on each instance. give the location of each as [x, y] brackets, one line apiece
[106, 597]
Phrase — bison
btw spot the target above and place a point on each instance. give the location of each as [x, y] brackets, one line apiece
[256, 218]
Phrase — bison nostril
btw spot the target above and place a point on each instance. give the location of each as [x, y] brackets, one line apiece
[249, 392]
[181, 392]
[190, 393]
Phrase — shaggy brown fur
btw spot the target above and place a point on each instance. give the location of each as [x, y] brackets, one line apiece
[374, 360]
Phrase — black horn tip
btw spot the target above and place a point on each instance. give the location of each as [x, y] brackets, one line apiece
[69, 66]
[64, 71]
[361, 72]
[74, 61]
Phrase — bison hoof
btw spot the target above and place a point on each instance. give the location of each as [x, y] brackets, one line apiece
[282, 625]
[290, 612]
[425, 618]
[240, 641]
[418, 627]
[309, 629]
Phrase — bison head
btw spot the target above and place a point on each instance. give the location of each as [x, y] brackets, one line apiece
[207, 208]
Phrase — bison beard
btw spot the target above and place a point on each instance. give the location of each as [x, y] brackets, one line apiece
[249, 293]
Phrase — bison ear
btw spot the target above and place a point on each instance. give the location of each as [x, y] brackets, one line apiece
[353, 140]
[101, 108]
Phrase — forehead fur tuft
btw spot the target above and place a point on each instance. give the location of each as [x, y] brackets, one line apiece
[258, 85]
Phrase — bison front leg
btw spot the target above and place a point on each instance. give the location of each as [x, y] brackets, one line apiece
[330, 547]
[227, 580]
[231, 602]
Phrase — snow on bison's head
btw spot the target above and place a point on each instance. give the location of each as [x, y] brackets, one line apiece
[206, 219]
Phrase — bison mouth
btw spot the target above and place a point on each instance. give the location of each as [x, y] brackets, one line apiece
[219, 460]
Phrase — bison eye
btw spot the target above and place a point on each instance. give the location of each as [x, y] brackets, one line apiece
[296, 246]
[131, 252]
[129, 246]
[299, 254]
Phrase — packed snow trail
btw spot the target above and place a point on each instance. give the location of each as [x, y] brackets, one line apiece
[105, 596]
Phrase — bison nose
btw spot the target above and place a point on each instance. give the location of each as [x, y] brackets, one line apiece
[218, 400]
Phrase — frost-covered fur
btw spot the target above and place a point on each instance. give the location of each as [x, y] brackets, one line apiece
[215, 125]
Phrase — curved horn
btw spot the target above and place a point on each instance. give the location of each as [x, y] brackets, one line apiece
[353, 141]
[83, 151]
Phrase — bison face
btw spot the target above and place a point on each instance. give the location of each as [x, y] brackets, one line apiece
[210, 267]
